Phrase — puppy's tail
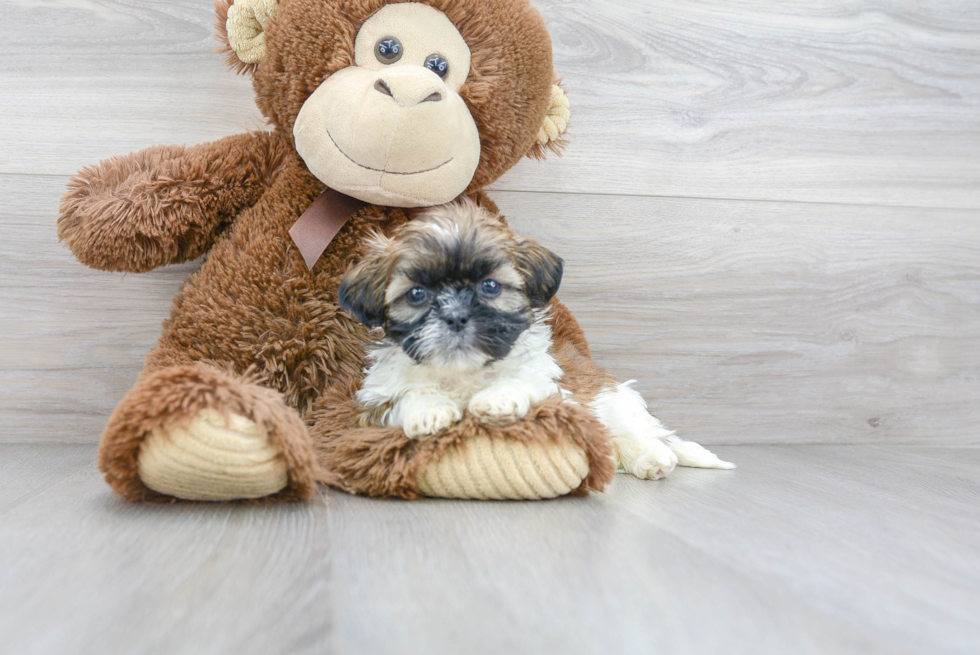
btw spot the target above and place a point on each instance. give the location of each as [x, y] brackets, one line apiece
[694, 455]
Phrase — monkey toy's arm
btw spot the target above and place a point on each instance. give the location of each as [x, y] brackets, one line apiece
[165, 204]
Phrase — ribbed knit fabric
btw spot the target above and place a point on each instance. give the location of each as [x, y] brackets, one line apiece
[493, 469]
[556, 120]
[210, 459]
[246, 28]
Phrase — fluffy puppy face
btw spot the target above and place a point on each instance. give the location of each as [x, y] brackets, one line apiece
[453, 288]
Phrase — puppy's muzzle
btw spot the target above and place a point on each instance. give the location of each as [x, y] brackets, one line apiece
[457, 321]
[455, 310]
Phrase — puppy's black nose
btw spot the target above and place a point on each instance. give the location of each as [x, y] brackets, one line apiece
[456, 321]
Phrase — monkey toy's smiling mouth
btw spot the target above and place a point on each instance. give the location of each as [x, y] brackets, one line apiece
[392, 129]
[383, 170]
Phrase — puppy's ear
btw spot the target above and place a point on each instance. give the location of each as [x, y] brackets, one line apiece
[541, 270]
[362, 291]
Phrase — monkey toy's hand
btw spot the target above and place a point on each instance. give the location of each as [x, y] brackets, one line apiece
[165, 204]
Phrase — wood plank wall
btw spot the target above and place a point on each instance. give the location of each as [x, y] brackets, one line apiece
[770, 212]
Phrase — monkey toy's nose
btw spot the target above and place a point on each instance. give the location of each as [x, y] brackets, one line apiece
[409, 88]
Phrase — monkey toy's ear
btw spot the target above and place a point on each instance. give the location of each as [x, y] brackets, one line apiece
[362, 291]
[541, 270]
[241, 28]
[550, 135]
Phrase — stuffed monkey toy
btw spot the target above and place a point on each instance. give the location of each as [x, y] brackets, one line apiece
[376, 107]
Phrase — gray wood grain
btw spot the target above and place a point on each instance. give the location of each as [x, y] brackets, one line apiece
[858, 101]
[84, 572]
[27, 470]
[749, 322]
[72, 340]
[802, 549]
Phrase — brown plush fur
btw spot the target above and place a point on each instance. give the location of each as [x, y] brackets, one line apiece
[179, 392]
[165, 204]
[253, 331]
[384, 462]
[510, 60]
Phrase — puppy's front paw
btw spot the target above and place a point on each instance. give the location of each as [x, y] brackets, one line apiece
[655, 462]
[430, 418]
[499, 406]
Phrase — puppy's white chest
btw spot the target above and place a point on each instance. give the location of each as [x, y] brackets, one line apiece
[504, 388]
[461, 386]
[395, 375]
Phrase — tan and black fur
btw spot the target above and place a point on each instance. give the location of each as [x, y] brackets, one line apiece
[459, 298]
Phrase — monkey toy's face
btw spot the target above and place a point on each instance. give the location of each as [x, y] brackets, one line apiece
[406, 104]
[392, 128]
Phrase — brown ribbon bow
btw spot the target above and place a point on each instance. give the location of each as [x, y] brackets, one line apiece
[321, 222]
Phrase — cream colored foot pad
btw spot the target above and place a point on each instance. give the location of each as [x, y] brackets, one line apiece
[211, 459]
[484, 468]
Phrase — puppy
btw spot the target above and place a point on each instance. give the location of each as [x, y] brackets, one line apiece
[461, 301]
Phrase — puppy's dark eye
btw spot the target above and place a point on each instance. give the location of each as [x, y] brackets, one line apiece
[490, 288]
[437, 64]
[388, 50]
[416, 296]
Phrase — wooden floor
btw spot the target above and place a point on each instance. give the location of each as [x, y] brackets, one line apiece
[770, 216]
[802, 549]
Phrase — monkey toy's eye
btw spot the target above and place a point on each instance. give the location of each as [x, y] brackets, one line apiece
[490, 288]
[416, 296]
[437, 65]
[388, 50]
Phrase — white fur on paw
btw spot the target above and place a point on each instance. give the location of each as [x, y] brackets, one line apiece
[655, 463]
[211, 457]
[429, 419]
[499, 406]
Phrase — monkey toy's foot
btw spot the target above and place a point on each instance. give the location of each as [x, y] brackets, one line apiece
[558, 448]
[211, 457]
[198, 433]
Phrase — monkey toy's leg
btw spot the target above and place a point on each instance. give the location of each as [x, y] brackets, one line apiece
[197, 432]
[188, 429]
